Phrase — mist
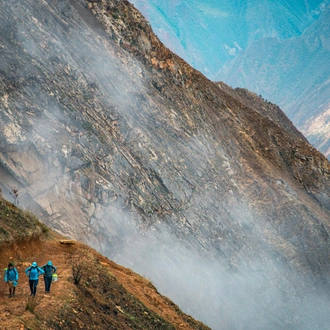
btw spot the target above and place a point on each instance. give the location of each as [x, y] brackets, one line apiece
[262, 293]
[201, 243]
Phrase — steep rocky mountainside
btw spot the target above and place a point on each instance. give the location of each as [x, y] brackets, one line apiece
[299, 73]
[113, 140]
[107, 296]
[278, 49]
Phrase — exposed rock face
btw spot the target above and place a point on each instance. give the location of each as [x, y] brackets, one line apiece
[278, 49]
[116, 141]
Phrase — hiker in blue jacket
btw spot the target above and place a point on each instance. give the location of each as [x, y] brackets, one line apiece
[11, 278]
[49, 270]
[33, 272]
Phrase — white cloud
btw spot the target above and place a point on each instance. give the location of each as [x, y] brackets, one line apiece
[211, 11]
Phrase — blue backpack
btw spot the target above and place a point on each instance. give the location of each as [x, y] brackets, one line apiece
[48, 270]
[8, 270]
[34, 272]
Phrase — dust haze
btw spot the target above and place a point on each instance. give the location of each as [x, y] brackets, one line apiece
[228, 277]
[263, 293]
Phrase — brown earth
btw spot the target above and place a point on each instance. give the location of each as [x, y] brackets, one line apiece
[108, 296]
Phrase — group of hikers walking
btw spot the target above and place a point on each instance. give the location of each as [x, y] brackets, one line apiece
[33, 272]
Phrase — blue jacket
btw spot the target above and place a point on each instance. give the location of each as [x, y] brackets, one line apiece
[11, 275]
[33, 272]
[49, 270]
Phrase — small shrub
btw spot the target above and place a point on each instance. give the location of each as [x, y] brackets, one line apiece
[14, 194]
[78, 266]
[31, 304]
[77, 273]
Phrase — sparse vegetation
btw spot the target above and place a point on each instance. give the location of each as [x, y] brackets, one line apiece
[115, 15]
[14, 194]
[87, 126]
[79, 266]
[105, 301]
[16, 224]
[88, 295]
[31, 304]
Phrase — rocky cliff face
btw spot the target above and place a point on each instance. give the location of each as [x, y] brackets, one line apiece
[250, 44]
[114, 140]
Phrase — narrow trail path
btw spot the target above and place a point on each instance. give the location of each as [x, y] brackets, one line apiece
[21, 306]
[22, 310]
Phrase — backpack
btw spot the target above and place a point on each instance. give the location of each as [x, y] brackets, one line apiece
[34, 269]
[48, 270]
[7, 271]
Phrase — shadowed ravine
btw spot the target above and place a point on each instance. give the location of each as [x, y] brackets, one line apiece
[211, 193]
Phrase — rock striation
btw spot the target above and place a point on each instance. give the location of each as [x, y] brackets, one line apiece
[112, 139]
[250, 44]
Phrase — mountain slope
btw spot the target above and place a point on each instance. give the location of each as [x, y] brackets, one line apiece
[108, 296]
[299, 75]
[277, 49]
[112, 139]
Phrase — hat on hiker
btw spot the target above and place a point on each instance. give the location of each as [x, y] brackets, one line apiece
[34, 264]
[10, 265]
[49, 263]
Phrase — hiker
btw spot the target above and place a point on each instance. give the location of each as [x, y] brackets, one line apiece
[33, 272]
[49, 270]
[11, 278]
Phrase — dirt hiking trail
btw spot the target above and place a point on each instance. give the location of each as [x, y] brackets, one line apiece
[108, 297]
